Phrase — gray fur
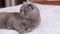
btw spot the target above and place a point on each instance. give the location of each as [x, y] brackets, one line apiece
[23, 22]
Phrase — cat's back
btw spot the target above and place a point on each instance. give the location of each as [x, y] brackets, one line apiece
[2, 15]
[2, 20]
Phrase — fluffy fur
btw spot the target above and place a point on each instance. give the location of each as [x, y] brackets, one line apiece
[23, 22]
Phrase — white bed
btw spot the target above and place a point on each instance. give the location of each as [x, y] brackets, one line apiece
[50, 19]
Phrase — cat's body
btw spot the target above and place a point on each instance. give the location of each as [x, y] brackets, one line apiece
[25, 21]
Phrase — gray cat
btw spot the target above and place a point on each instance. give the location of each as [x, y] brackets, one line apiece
[23, 22]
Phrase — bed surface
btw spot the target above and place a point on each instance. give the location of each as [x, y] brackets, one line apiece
[50, 18]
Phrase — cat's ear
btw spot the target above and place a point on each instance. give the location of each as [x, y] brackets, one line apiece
[28, 0]
[24, 2]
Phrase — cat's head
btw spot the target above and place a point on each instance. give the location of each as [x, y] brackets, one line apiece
[26, 7]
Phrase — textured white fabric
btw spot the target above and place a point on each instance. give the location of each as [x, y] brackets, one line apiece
[5, 31]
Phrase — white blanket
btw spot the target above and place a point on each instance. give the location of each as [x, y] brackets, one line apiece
[50, 18]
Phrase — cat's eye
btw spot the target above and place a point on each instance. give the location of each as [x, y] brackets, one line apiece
[30, 6]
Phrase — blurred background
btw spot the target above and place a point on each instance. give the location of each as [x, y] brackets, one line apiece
[7, 3]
